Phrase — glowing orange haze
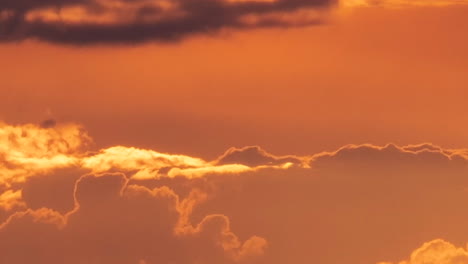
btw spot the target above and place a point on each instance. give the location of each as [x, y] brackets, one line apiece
[135, 164]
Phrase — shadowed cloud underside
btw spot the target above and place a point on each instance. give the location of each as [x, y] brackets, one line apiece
[129, 205]
[83, 22]
[88, 22]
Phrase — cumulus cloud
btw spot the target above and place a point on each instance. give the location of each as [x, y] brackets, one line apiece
[120, 21]
[358, 204]
[114, 222]
[437, 252]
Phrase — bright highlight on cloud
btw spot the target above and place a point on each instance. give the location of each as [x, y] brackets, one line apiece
[28, 150]
[124, 205]
[128, 159]
[437, 252]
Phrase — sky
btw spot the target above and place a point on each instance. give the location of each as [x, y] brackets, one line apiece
[233, 131]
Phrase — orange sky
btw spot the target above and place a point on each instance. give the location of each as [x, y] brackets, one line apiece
[360, 72]
[371, 75]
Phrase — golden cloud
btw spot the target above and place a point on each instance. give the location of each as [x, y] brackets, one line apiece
[437, 252]
[27, 150]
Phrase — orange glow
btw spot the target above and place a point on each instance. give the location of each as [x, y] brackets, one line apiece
[117, 180]
[233, 132]
[11, 199]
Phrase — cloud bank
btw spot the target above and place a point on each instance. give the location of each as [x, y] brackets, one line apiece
[358, 204]
[82, 22]
[88, 22]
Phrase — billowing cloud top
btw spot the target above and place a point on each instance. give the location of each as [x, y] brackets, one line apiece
[62, 203]
[437, 252]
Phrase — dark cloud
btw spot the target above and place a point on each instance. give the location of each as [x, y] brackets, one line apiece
[139, 21]
[49, 123]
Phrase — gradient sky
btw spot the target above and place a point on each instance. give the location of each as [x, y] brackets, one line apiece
[367, 75]
[120, 83]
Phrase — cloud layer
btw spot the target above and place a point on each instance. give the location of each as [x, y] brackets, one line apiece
[358, 204]
[120, 21]
[87, 22]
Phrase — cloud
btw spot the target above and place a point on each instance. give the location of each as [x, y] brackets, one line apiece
[437, 252]
[49, 123]
[359, 204]
[30, 150]
[391, 153]
[88, 22]
[11, 199]
[217, 170]
[82, 22]
[255, 156]
[27, 150]
[401, 3]
[114, 222]
[130, 159]
[124, 205]
[148, 164]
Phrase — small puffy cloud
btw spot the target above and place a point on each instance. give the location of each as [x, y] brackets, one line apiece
[49, 123]
[30, 140]
[11, 199]
[28, 150]
[436, 252]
